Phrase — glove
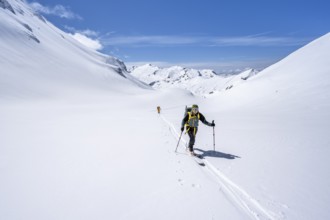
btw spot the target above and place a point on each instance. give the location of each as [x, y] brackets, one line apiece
[213, 125]
[182, 128]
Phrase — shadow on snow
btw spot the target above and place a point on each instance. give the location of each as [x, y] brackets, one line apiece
[211, 153]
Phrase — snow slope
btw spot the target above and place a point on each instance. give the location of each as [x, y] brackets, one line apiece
[37, 57]
[198, 82]
[281, 121]
[91, 145]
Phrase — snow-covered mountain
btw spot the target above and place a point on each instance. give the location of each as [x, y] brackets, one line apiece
[198, 82]
[278, 122]
[36, 56]
[300, 80]
[175, 74]
[93, 146]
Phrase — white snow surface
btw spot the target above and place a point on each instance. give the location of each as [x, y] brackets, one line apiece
[80, 141]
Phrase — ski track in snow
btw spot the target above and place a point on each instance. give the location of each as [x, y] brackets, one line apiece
[232, 191]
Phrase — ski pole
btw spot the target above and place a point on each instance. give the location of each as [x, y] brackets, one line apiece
[178, 142]
[213, 137]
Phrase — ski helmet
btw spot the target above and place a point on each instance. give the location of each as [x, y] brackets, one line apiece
[194, 108]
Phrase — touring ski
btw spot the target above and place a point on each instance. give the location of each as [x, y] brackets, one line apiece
[198, 159]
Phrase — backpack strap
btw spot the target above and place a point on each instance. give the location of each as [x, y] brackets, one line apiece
[187, 123]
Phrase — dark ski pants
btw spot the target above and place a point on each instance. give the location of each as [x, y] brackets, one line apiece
[192, 135]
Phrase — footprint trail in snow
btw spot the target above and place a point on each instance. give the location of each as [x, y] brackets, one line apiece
[237, 195]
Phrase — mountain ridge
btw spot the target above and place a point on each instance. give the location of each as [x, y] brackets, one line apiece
[51, 57]
[198, 82]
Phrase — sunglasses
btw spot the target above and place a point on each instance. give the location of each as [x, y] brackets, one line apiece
[195, 110]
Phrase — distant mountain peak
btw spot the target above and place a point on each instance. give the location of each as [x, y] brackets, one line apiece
[198, 82]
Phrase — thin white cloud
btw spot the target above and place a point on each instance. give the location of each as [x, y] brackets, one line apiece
[89, 33]
[256, 41]
[57, 10]
[145, 41]
[86, 37]
[157, 40]
[86, 32]
[91, 43]
[152, 40]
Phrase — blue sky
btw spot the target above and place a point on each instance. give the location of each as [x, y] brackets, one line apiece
[218, 34]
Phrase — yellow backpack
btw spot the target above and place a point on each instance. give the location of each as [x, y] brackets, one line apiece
[192, 120]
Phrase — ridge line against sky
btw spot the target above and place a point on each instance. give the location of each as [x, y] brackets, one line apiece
[137, 40]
